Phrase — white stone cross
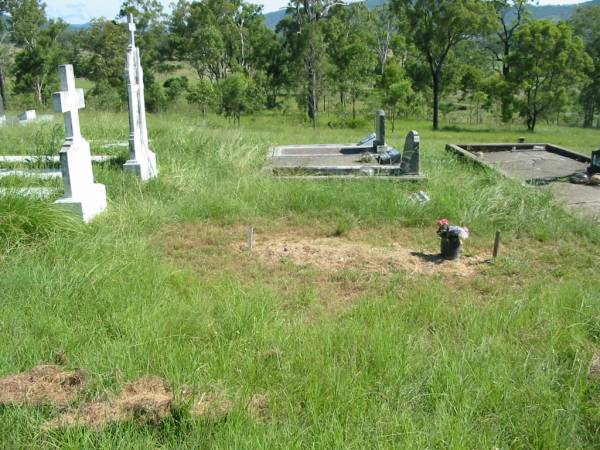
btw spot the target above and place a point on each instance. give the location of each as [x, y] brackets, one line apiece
[69, 101]
[131, 28]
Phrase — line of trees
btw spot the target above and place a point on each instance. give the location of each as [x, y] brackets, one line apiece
[413, 57]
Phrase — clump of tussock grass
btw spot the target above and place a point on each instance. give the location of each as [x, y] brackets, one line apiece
[26, 220]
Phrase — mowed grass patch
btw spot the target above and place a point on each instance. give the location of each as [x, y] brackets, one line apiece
[498, 359]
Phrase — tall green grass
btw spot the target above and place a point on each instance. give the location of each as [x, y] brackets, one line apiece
[497, 360]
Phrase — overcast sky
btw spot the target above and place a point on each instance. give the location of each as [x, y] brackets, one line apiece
[81, 11]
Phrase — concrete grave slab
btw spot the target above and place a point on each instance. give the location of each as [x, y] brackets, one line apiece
[546, 165]
[368, 158]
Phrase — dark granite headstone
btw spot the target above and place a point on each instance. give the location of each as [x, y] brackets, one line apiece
[379, 128]
[411, 158]
[595, 165]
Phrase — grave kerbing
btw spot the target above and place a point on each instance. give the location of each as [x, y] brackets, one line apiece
[82, 195]
[142, 161]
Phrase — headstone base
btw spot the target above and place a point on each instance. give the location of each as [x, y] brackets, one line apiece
[145, 169]
[88, 207]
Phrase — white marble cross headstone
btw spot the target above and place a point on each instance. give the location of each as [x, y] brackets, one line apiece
[131, 28]
[69, 101]
[142, 161]
[82, 195]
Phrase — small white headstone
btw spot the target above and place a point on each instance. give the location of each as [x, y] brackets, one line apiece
[28, 116]
[142, 161]
[85, 197]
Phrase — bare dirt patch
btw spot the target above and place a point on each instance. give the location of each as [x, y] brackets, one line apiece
[311, 247]
[44, 384]
[312, 269]
[148, 400]
[337, 254]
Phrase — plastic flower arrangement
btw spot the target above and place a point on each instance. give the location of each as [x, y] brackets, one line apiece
[447, 231]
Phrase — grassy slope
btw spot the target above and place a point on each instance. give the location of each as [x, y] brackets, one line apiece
[497, 360]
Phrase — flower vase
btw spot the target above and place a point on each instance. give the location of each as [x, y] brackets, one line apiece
[451, 248]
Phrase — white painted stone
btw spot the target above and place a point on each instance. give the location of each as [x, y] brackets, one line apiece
[142, 161]
[48, 159]
[44, 174]
[37, 192]
[82, 195]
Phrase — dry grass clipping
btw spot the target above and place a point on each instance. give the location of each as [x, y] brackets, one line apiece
[212, 407]
[148, 400]
[44, 384]
[258, 407]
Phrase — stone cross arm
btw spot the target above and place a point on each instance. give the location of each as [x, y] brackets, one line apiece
[69, 100]
[131, 28]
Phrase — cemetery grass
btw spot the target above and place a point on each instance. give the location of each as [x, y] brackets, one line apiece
[346, 359]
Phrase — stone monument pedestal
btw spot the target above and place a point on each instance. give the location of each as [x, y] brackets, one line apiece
[82, 195]
[144, 169]
[89, 206]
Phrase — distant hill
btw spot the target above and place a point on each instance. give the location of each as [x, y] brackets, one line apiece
[78, 26]
[273, 18]
[552, 12]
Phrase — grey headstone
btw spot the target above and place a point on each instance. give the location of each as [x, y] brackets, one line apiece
[411, 158]
[2, 114]
[595, 165]
[379, 128]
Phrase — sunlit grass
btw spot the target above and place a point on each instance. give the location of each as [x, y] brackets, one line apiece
[495, 360]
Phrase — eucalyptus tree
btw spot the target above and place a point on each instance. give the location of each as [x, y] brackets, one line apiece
[35, 67]
[5, 54]
[40, 43]
[435, 27]
[509, 16]
[349, 48]
[218, 37]
[585, 22]
[306, 44]
[548, 61]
